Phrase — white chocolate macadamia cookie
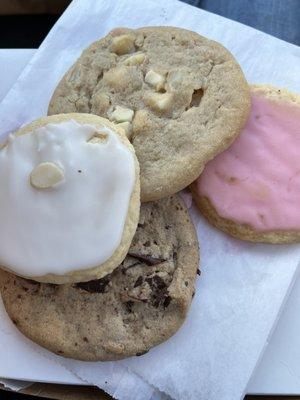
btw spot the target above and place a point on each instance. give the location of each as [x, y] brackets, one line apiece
[180, 97]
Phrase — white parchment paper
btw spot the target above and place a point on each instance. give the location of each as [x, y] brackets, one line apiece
[243, 285]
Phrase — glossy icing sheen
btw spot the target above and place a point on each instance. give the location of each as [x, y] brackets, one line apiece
[257, 180]
[76, 224]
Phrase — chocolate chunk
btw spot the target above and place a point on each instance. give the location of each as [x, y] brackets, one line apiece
[128, 305]
[198, 272]
[85, 339]
[167, 301]
[157, 300]
[29, 285]
[147, 259]
[159, 290]
[156, 282]
[160, 297]
[133, 265]
[138, 282]
[159, 282]
[175, 256]
[150, 282]
[94, 286]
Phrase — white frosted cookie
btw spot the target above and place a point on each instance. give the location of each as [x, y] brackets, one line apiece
[252, 190]
[70, 199]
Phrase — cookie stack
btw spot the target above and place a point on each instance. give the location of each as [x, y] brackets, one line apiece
[99, 253]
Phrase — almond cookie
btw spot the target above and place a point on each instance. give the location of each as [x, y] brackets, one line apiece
[180, 97]
[69, 199]
[252, 190]
[141, 304]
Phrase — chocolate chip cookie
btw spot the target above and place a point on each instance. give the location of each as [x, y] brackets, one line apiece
[139, 305]
[180, 97]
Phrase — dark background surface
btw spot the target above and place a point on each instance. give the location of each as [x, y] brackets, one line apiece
[25, 23]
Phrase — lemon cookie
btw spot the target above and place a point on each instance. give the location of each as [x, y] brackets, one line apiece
[69, 198]
[180, 97]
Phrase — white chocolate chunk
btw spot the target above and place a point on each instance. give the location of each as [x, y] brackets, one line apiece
[127, 128]
[176, 79]
[160, 101]
[123, 44]
[122, 114]
[116, 77]
[135, 59]
[46, 175]
[154, 79]
[139, 40]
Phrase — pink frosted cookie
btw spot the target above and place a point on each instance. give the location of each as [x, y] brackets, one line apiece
[252, 190]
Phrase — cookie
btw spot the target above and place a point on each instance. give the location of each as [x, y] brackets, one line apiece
[252, 190]
[141, 304]
[181, 98]
[69, 199]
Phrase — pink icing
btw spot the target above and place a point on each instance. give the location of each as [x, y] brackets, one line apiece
[257, 180]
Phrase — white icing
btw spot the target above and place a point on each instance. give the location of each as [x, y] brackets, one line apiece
[71, 226]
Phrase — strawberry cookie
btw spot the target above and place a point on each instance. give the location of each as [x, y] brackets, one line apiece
[252, 190]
